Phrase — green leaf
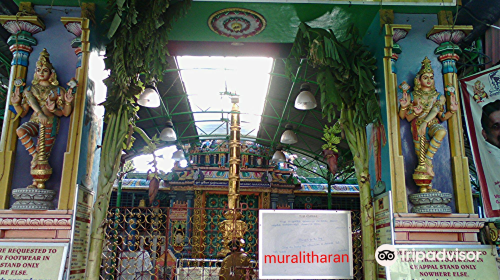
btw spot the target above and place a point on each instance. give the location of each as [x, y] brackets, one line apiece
[115, 24]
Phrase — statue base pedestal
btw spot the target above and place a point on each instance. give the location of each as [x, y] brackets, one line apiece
[35, 226]
[33, 199]
[432, 202]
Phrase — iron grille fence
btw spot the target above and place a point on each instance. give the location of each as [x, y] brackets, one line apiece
[156, 243]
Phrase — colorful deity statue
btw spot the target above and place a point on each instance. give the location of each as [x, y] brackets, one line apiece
[479, 93]
[424, 108]
[49, 101]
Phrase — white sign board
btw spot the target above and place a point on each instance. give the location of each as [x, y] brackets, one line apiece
[32, 260]
[305, 244]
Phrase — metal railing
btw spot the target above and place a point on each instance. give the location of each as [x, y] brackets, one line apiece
[172, 243]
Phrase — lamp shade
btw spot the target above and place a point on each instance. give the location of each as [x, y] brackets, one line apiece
[278, 156]
[149, 98]
[305, 100]
[168, 133]
[178, 155]
[289, 137]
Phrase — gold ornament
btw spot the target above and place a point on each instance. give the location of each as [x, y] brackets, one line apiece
[426, 67]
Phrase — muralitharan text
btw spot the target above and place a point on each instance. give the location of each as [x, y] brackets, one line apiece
[304, 257]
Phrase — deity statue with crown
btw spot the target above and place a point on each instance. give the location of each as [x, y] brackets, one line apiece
[425, 109]
[48, 101]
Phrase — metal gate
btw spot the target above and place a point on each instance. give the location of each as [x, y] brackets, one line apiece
[182, 244]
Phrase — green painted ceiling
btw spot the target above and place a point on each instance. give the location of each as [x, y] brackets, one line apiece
[282, 18]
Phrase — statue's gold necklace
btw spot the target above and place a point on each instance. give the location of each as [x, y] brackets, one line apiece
[426, 98]
[42, 92]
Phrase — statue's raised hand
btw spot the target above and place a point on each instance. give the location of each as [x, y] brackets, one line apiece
[453, 103]
[405, 101]
[16, 97]
[69, 97]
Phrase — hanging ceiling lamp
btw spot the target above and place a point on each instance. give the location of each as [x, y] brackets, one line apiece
[305, 100]
[278, 156]
[178, 155]
[289, 137]
[168, 133]
[149, 97]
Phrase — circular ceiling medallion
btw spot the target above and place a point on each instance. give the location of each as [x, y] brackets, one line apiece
[237, 23]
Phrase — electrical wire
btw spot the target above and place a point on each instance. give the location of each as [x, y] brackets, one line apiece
[475, 18]
[479, 64]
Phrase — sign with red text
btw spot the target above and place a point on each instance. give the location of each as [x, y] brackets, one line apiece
[305, 244]
[179, 212]
[426, 262]
[34, 261]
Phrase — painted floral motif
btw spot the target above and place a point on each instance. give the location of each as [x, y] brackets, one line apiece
[237, 23]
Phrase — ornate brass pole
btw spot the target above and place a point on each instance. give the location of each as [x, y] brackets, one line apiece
[233, 228]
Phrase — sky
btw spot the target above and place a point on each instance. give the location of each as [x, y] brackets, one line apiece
[205, 78]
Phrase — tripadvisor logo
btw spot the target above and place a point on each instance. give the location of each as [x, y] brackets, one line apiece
[387, 255]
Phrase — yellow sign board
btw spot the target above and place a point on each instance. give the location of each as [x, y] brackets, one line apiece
[35, 261]
[426, 262]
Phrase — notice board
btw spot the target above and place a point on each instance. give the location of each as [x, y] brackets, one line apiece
[305, 244]
[30, 260]
[450, 262]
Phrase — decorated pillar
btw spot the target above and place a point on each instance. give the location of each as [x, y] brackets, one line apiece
[198, 221]
[21, 42]
[233, 228]
[392, 51]
[266, 202]
[190, 202]
[172, 195]
[274, 200]
[448, 37]
[81, 43]
[291, 200]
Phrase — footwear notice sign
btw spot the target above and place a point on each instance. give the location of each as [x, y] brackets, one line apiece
[34, 261]
[305, 244]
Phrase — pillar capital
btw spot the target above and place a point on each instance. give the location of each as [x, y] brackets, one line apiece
[399, 32]
[21, 41]
[15, 24]
[74, 26]
[447, 37]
